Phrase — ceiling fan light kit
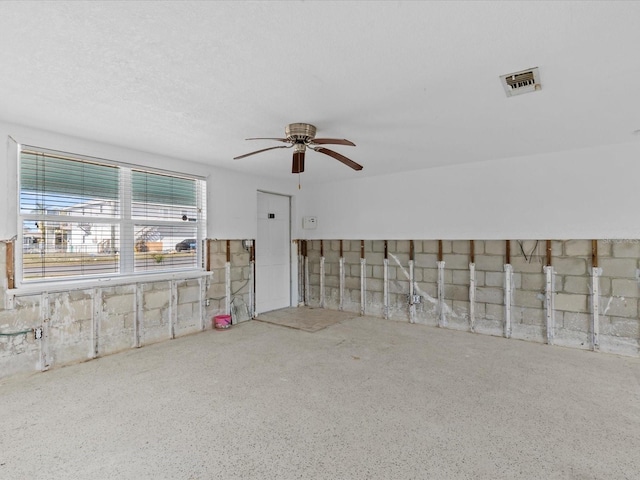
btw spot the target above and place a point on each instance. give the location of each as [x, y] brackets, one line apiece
[301, 136]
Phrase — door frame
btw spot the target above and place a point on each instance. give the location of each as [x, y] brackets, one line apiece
[293, 249]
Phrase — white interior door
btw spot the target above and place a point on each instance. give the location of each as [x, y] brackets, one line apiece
[273, 259]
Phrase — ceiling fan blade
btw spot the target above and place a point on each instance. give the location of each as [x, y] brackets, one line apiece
[260, 151]
[347, 161]
[298, 162]
[332, 141]
[265, 138]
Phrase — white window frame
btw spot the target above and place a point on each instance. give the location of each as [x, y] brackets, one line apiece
[126, 223]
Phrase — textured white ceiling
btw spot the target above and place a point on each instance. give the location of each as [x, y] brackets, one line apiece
[413, 84]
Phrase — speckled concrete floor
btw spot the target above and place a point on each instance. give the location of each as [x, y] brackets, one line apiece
[362, 399]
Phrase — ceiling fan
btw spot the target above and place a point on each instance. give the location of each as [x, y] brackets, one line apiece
[301, 136]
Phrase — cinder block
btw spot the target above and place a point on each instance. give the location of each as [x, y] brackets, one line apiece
[378, 246]
[447, 276]
[490, 295]
[392, 272]
[185, 312]
[618, 267]
[570, 266]
[576, 248]
[461, 246]
[240, 258]
[217, 260]
[331, 256]
[626, 248]
[619, 307]
[571, 302]
[491, 263]
[398, 286]
[529, 265]
[354, 296]
[429, 260]
[528, 298]
[528, 316]
[429, 275]
[494, 312]
[374, 285]
[605, 285]
[573, 284]
[352, 283]
[351, 258]
[461, 277]
[495, 247]
[461, 309]
[494, 279]
[215, 290]
[623, 287]
[456, 292]
[188, 294]
[399, 259]
[478, 246]
[430, 246]
[354, 245]
[119, 304]
[574, 321]
[236, 274]
[456, 261]
[375, 258]
[378, 271]
[604, 248]
[427, 290]
[402, 246]
[621, 327]
[417, 274]
[354, 270]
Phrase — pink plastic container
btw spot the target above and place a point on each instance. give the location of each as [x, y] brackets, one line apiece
[222, 321]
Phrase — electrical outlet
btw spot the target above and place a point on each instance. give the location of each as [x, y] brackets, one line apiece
[37, 333]
[207, 302]
[416, 299]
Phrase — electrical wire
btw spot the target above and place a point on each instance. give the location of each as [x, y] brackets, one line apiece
[216, 299]
[527, 258]
[15, 334]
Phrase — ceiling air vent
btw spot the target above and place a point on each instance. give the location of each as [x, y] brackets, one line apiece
[521, 82]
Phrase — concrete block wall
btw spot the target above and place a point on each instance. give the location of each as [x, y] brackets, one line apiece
[572, 322]
[240, 281]
[352, 279]
[619, 262]
[528, 312]
[83, 323]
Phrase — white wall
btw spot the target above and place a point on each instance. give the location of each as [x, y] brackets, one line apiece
[232, 197]
[592, 193]
[233, 200]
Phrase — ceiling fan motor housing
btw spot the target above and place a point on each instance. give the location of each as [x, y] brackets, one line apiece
[300, 132]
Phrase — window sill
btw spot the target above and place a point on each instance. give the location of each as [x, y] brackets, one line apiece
[70, 285]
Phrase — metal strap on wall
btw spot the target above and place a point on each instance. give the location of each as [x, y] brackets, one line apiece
[385, 281]
[412, 306]
[595, 297]
[321, 274]
[341, 302]
[363, 279]
[472, 286]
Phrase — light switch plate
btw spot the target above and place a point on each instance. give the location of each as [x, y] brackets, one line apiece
[309, 223]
